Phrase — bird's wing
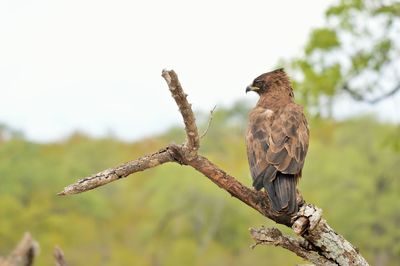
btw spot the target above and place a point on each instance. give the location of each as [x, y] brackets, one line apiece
[288, 141]
[256, 141]
[277, 143]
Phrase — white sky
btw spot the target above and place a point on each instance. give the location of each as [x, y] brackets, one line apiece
[95, 66]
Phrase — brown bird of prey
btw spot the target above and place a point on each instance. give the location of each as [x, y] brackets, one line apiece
[277, 141]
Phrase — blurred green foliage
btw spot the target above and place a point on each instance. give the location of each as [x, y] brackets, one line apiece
[356, 54]
[172, 215]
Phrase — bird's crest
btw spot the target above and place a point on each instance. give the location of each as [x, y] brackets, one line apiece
[278, 74]
[277, 77]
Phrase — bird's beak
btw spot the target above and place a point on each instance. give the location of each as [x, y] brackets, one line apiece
[251, 88]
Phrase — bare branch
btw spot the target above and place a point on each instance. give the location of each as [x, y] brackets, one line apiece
[209, 122]
[302, 248]
[258, 200]
[23, 254]
[359, 97]
[185, 108]
[112, 174]
[330, 244]
[59, 257]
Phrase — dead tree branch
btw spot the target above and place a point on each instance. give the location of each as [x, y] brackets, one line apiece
[23, 254]
[59, 257]
[326, 247]
[299, 246]
[123, 170]
[193, 141]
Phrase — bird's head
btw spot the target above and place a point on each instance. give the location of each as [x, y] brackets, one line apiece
[268, 81]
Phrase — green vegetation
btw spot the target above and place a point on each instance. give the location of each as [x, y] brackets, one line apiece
[171, 215]
[355, 55]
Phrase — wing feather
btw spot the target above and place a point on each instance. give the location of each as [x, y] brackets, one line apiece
[279, 140]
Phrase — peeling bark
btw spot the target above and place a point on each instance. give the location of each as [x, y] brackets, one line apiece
[331, 244]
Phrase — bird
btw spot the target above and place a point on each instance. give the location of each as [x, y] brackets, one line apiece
[277, 141]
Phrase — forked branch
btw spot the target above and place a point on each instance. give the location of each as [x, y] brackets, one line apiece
[325, 246]
[299, 246]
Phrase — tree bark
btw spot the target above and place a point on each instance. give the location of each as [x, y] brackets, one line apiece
[317, 241]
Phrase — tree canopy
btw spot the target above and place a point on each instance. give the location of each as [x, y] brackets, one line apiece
[357, 53]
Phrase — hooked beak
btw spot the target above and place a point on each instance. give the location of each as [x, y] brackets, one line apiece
[252, 88]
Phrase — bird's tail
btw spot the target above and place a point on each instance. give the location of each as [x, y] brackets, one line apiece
[282, 193]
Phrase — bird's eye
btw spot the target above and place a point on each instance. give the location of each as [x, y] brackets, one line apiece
[258, 83]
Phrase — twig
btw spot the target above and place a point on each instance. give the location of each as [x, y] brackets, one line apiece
[59, 257]
[209, 122]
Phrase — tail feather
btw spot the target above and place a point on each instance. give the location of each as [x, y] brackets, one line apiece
[269, 173]
[281, 191]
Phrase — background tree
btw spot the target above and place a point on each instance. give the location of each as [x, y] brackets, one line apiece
[356, 54]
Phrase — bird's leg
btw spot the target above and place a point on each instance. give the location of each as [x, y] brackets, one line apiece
[299, 198]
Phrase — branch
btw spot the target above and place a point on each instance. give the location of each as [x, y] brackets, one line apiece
[359, 97]
[185, 108]
[23, 254]
[301, 247]
[325, 244]
[324, 239]
[112, 174]
[59, 257]
[209, 123]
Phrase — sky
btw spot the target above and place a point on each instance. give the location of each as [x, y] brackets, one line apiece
[95, 66]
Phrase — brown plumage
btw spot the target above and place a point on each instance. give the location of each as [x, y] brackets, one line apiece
[277, 140]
